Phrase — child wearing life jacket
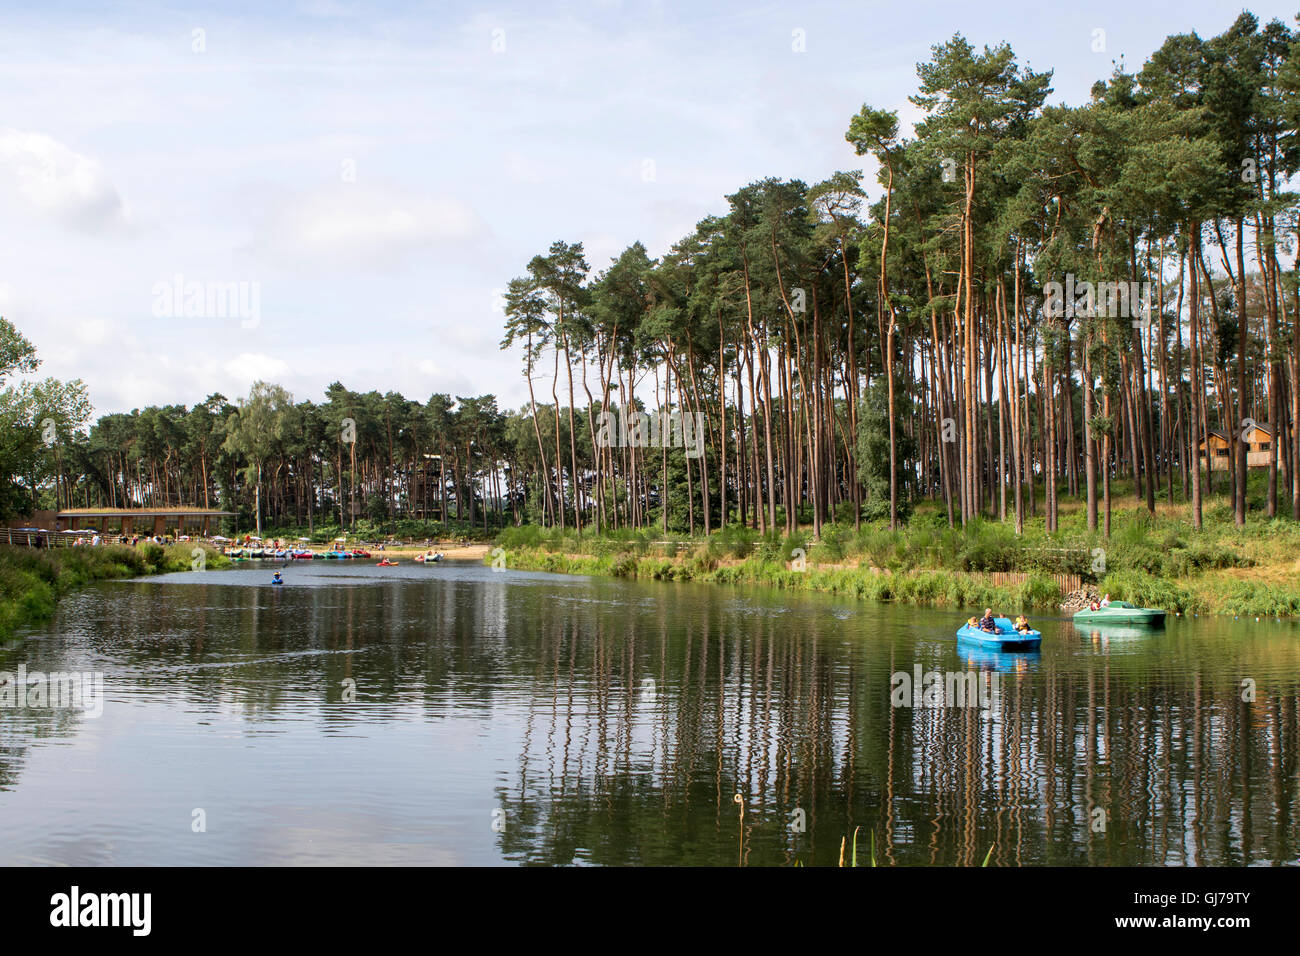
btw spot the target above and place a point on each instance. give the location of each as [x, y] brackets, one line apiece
[1022, 624]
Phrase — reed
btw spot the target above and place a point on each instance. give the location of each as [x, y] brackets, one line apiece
[32, 580]
[853, 858]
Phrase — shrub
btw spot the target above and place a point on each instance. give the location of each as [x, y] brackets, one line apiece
[1040, 592]
[1146, 590]
[834, 542]
[768, 546]
[737, 540]
[989, 547]
[794, 542]
[520, 536]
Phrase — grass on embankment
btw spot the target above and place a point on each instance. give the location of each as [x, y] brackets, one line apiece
[32, 581]
[1150, 560]
[934, 588]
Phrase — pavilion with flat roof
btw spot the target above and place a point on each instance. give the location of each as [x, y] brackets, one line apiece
[152, 520]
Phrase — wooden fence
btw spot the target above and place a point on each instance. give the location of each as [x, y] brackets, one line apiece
[1068, 583]
[52, 539]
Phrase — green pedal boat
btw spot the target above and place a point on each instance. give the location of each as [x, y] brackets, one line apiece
[1120, 612]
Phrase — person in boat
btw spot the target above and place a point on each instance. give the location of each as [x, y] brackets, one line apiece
[973, 622]
[1022, 624]
[1094, 606]
[276, 579]
[1105, 602]
[987, 623]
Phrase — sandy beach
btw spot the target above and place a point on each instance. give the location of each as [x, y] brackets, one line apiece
[464, 552]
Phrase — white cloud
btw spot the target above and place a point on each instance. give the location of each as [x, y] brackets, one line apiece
[364, 225]
[252, 367]
[45, 176]
[468, 163]
[96, 331]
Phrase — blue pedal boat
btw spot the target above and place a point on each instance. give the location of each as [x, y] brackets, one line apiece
[1007, 638]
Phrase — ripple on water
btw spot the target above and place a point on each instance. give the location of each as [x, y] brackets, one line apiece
[466, 716]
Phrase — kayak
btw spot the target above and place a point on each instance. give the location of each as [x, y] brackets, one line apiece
[1120, 612]
[1006, 637]
[385, 564]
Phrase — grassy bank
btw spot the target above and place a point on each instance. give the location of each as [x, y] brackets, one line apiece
[1151, 560]
[32, 581]
[933, 588]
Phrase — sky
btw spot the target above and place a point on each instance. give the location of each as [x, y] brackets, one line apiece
[341, 191]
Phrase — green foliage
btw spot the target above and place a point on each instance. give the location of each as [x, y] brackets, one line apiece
[835, 542]
[1146, 590]
[735, 540]
[377, 509]
[515, 538]
[873, 452]
[32, 580]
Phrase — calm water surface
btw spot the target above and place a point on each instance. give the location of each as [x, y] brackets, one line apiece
[453, 715]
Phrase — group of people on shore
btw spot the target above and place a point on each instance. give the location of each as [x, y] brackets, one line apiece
[128, 540]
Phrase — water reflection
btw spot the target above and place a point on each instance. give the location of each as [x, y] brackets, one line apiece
[461, 715]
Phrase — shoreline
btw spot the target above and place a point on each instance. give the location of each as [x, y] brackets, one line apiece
[463, 552]
[1230, 594]
[33, 580]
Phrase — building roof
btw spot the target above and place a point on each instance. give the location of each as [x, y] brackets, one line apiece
[1219, 433]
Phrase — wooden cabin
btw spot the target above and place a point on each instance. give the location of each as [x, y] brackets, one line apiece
[1258, 439]
[157, 521]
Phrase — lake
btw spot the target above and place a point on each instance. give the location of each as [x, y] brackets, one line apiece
[456, 715]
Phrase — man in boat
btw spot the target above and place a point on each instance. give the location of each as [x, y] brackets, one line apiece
[1105, 602]
[987, 623]
[1022, 624]
[276, 579]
